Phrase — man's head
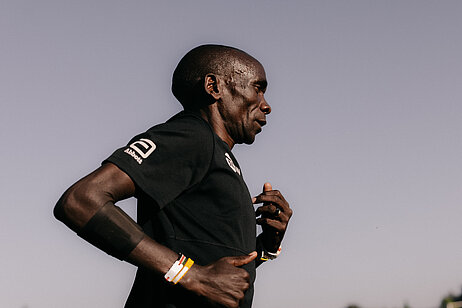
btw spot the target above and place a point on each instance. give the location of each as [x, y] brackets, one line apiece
[232, 79]
[189, 75]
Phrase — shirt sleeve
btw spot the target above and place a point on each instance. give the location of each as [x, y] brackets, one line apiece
[168, 158]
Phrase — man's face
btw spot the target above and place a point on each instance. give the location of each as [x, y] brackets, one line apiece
[243, 106]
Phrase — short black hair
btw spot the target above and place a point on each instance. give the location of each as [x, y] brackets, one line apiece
[188, 77]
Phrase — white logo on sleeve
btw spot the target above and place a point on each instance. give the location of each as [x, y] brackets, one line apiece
[231, 164]
[141, 149]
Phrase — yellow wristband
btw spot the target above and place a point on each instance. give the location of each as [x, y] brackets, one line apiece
[183, 271]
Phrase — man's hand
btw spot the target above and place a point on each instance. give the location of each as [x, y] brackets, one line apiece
[221, 282]
[274, 215]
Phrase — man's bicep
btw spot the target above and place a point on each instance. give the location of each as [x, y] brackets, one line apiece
[114, 181]
[83, 199]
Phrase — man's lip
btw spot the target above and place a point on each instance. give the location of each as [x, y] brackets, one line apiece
[261, 122]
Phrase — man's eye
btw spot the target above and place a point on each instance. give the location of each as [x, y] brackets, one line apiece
[260, 90]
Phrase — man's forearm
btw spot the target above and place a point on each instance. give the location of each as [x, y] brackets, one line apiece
[113, 231]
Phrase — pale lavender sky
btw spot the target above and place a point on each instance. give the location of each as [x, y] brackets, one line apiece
[365, 139]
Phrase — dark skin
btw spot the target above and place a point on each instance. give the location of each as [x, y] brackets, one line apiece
[237, 116]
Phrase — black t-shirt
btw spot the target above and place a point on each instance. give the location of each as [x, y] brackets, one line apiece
[192, 198]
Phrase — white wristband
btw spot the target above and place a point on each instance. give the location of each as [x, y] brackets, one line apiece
[266, 255]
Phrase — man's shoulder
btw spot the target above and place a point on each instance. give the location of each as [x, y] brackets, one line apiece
[184, 122]
[185, 131]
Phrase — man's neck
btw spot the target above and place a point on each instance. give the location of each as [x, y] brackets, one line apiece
[213, 117]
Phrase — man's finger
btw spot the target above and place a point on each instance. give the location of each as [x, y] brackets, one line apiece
[241, 260]
[276, 200]
[266, 187]
[275, 224]
[267, 209]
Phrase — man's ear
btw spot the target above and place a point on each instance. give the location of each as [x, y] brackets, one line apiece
[211, 86]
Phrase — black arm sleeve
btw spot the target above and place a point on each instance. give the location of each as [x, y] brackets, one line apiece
[112, 231]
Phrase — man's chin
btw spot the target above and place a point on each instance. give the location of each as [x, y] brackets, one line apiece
[249, 139]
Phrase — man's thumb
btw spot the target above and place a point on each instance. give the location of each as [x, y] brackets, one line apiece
[267, 187]
[241, 260]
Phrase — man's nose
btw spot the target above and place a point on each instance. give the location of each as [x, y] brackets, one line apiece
[265, 107]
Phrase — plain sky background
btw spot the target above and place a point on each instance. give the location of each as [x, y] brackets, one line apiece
[365, 139]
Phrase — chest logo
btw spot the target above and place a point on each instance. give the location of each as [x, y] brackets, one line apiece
[141, 149]
[231, 164]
